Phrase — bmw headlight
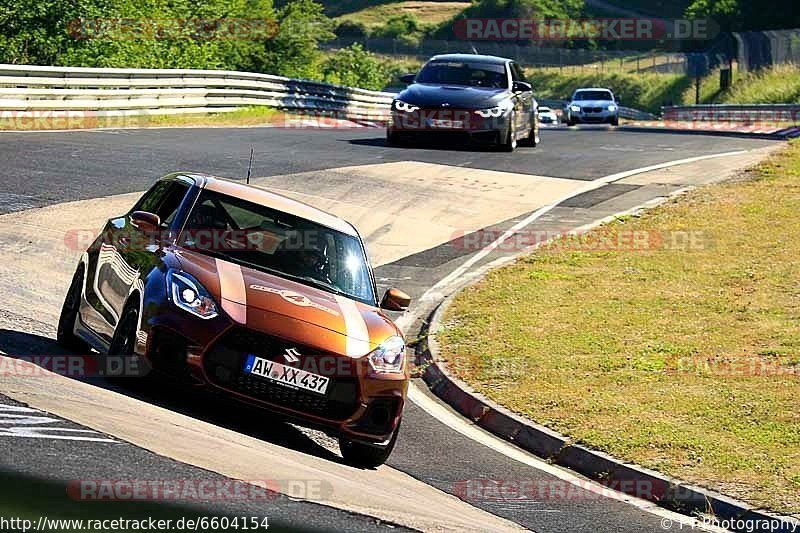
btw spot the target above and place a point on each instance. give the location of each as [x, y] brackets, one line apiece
[388, 357]
[612, 107]
[575, 108]
[188, 294]
[493, 112]
[405, 107]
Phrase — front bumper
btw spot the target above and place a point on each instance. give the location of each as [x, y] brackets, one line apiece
[449, 126]
[357, 404]
[593, 116]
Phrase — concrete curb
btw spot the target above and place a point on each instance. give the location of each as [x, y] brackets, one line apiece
[634, 480]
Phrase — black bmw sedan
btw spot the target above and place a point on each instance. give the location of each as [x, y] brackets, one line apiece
[466, 98]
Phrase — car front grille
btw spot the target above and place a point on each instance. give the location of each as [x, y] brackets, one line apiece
[592, 109]
[224, 364]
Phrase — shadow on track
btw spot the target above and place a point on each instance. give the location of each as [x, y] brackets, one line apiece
[380, 142]
[175, 396]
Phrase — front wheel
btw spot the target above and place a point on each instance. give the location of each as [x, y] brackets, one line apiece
[367, 455]
[615, 121]
[533, 135]
[65, 334]
[124, 340]
[508, 138]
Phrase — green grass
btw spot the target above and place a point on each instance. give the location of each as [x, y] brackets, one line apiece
[777, 85]
[427, 12]
[647, 92]
[249, 116]
[684, 361]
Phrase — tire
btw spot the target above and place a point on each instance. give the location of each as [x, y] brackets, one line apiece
[615, 121]
[508, 143]
[124, 340]
[367, 455]
[533, 136]
[65, 335]
[123, 345]
[570, 122]
[391, 138]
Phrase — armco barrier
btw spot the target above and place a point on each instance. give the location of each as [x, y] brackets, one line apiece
[148, 91]
[738, 113]
[106, 91]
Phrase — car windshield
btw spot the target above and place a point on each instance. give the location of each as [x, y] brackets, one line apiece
[593, 95]
[279, 243]
[544, 110]
[462, 73]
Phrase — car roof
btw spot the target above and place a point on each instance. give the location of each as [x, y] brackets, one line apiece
[594, 89]
[265, 197]
[476, 58]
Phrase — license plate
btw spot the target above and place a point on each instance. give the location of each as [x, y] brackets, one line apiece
[286, 375]
[446, 123]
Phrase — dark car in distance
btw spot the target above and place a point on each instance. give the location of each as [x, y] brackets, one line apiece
[468, 99]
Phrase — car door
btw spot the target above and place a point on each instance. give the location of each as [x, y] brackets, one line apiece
[116, 262]
[524, 101]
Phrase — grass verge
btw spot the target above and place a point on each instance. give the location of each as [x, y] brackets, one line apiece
[427, 12]
[681, 359]
[59, 120]
[647, 92]
[777, 85]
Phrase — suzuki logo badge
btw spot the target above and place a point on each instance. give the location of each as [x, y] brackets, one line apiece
[291, 355]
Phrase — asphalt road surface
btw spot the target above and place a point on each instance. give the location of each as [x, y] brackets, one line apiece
[388, 193]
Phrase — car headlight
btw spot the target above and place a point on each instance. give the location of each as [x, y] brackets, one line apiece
[388, 357]
[405, 107]
[575, 108]
[188, 294]
[612, 107]
[493, 112]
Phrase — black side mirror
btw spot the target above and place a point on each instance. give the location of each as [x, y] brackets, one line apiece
[521, 87]
[408, 79]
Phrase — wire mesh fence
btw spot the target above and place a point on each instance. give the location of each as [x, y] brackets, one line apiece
[749, 50]
[761, 49]
[564, 59]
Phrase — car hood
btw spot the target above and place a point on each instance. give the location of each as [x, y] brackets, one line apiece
[453, 96]
[592, 103]
[289, 310]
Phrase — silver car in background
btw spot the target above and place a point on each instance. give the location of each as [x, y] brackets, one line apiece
[547, 116]
[592, 105]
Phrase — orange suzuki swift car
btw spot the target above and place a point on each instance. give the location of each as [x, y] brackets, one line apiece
[262, 297]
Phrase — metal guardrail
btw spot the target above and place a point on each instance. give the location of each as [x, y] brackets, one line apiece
[149, 91]
[115, 92]
[747, 113]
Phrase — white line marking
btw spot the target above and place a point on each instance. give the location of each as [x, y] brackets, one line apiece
[469, 430]
[28, 424]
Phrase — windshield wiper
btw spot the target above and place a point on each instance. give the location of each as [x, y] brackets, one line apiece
[323, 285]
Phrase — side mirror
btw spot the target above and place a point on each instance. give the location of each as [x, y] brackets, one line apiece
[395, 300]
[521, 87]
[408, 79]
[145, 222]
